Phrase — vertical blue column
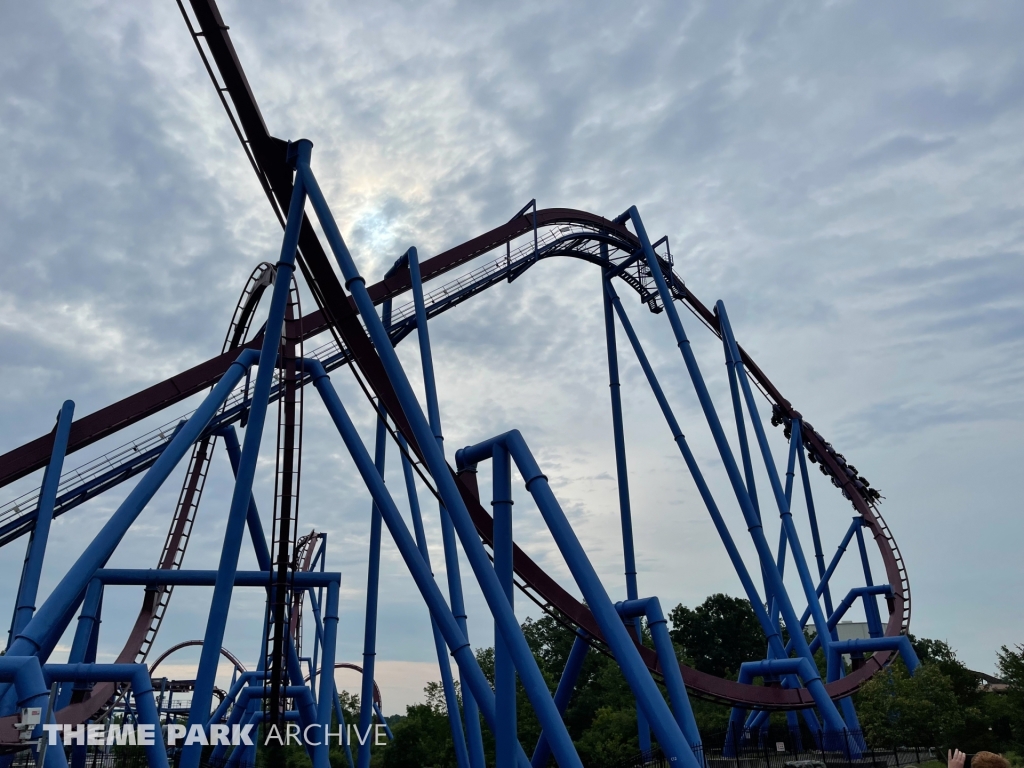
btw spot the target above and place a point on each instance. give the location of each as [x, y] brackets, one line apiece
[474, 737]
[833, 720]
[36, 550]
[372, 589]
[505, 737]
[622, 479]
[445, 667]
[566, 685]
[870, 600]
[220, 604]
[819, 555]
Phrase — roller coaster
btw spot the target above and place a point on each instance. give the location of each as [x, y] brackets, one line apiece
[294, 681]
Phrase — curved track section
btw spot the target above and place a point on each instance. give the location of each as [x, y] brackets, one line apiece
[606, 244]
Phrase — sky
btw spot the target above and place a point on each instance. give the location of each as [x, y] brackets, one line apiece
[845, 176]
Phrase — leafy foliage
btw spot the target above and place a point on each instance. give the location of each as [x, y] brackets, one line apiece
[718, 635]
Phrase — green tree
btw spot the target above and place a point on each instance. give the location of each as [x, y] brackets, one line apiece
[718, 635]
[1011, 667]
[896, 709]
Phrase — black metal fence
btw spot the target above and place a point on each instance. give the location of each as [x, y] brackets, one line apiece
[782, 748]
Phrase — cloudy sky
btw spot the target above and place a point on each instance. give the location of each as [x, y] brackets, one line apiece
[845, 176]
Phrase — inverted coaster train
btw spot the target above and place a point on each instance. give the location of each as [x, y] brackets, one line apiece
[292, 569]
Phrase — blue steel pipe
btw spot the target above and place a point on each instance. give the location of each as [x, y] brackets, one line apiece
[658, 624]
[31, 690]
[566, 684]
[240, 682]
[621, 471]
[372, 583]
[529, 673]
[847, 602]
[799, 560]
[252, 515]
[459, 646]
[474, 738]
[142, 691]
[798, 437]
[899, 643]
[444, 666]
[770, 630]
[44, 630]
[162, 577]
[830, 713]
[221, 601]
[669, 735]
[25, 605]
[87, 621]
[505, 738]
[870, 604]
[321, 757]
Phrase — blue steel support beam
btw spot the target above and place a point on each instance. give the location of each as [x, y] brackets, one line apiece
[372, 581]
[668, 733]
[459, 646]
[252, 515]
[811, 514]
[899, 643]
[321, 757]
[44, 630]
[622, 473]
[529, 673]
[444, 666]
[26, 676]
[25, 605]
[830, 713]
[566, 684]
[142, 690]
[474, 737]
[88, 619]
[870, 603]
[658, 624]
[221, 601]
[799, 560]
[505, 738]
[771, 631]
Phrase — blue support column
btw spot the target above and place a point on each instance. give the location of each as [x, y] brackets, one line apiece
[622, 477]
[870, 600]
[447, 680]
[666, 729]
[771, 631]
[471, 675]
[41, 634]
[799, 560]
[372, 594]
[25, 605]
[474, 737]
[327, 697]
[566, 685]
[221, 601]
[505, 738]
[814, 685]
[812, 516]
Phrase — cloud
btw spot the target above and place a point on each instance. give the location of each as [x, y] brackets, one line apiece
[845, 178]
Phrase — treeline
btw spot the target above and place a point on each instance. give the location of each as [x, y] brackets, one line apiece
[942, 705]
